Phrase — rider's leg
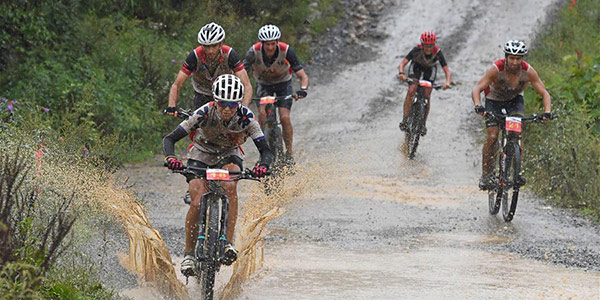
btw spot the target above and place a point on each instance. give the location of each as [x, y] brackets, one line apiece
[489, 150]
[230, 188]
[197, 189]
[230, 254]
[288, 130]
[262, 115]
[410, 95]
[427, 94]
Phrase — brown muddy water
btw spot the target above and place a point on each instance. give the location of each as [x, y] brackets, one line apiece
[360, 221]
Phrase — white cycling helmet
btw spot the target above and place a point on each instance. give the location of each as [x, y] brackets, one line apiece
[515, 47]
[269, 32]
[228, 87]
[210, 34]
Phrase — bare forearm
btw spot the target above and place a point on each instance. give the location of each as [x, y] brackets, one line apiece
[173, 95]
[448, 74]
[247, 94]
[402, 65]
[547, 102]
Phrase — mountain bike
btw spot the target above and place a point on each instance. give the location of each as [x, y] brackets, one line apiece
[272, 127]
[214, 210]
[415, 121]
[507, 174]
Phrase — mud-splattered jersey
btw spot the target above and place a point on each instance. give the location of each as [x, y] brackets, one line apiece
[418, 56]
[215, 135]
[204, 72]
[501, 90]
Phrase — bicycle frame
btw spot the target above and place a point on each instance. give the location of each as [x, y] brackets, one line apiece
[509, 164]
[271, 126]
[416, 116]
[212, 221]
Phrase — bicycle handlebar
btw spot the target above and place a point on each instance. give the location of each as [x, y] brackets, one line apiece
[182, 113]
[246, 174]
[278, 98]
[433, 85]
[533, 118]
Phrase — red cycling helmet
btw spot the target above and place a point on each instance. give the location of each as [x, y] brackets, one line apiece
[428, 38]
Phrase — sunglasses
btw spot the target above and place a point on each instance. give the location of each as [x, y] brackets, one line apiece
[428, 45]
[230, 104]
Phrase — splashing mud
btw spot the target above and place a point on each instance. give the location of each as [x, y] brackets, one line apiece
[262, 209]
[148, 256]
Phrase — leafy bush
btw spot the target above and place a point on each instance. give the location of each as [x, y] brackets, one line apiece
[106, 66]
[563, 158]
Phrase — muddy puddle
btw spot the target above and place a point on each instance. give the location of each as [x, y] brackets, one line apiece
[309, 271]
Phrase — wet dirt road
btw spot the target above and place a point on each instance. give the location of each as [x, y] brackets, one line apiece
[384, 227]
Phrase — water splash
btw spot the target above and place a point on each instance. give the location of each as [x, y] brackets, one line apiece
[261, 209]
[148, 256]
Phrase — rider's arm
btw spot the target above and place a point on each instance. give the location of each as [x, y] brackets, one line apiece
[297, 67]
[255, 133]
[237, 67]
[303, 79]
[249, 60]
[176, 87]
[445, 68]
[448, 74]
[483, 83]
[266, 156]
[243, 75]
[170, 140]
[539, 87]
[188, 67]
[402, 65]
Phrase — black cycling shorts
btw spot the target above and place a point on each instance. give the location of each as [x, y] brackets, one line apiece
[513, 107]
[278, 89]
[236, 160]
[201, 99]
[420, 72]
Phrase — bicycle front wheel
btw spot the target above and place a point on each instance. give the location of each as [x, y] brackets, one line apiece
[415, 126]
[211, 258]
[512, 168]
[495, 195]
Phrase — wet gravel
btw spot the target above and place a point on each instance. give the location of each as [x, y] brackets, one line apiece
[401, 206]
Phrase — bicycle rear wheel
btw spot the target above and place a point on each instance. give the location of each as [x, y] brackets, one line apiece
[211, 257]
[512, 168]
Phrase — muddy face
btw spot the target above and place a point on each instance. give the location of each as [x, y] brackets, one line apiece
[270, 48]
[513, 63]
[212, 51]
[227, 109]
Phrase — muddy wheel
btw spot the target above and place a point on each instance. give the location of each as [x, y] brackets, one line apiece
[512, 168]
[494, 198]
[211, 259]
[415, 125]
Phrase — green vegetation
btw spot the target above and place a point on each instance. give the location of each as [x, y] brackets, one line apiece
[563, 158]
[37, 258]
[104, 68]
[88, 80]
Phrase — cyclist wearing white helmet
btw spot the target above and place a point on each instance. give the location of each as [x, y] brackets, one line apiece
[220, 127]
[503, 85]
[205, 63]
[272, 62]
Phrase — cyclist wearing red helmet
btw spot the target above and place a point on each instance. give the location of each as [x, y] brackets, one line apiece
[423, 59]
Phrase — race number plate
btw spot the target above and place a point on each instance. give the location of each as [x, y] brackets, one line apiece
[513, 124]
[267, 100]
[217, 174]
[425, 83]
